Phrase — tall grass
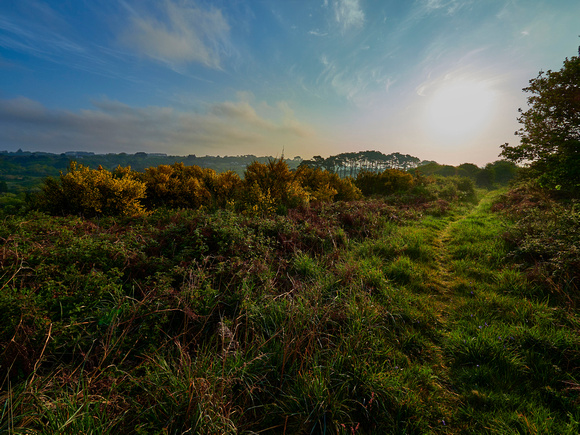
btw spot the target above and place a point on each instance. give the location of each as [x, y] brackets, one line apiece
[361, 317]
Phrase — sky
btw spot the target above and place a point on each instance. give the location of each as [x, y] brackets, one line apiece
[438, 79]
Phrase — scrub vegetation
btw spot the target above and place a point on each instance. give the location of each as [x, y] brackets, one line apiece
[288, 302]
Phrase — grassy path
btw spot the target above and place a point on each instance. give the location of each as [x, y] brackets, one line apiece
[470, 231]
[449, 298]
[503, 354]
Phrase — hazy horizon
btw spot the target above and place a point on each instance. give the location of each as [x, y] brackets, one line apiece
[437, 79]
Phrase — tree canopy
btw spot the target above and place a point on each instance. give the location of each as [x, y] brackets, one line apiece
[550, 132]
[350, 164]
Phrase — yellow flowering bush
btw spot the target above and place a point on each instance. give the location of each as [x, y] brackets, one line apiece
[272, 186]
[93, 192]
[326, 186]
[178, 186]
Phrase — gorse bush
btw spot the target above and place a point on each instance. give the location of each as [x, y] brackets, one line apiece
[93, 192]
[175, 186]
[181, 186]
[271, 187]
[225, 188]
[266, 188]
[327, 186]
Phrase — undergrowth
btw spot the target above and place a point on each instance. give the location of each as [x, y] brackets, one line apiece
[361, 317]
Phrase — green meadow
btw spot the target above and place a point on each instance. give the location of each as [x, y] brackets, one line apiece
[370, 316]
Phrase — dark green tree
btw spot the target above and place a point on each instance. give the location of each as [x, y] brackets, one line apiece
[468, 170]
[485, 177]
[503, 171]
[550, 132]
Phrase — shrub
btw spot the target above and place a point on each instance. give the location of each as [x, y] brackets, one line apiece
[13, 204]
[326, 186]
[225, 188]
[544, 237]
[384, 183]
[453, 188]
[178, 186]
[271, 187]
[93, 192]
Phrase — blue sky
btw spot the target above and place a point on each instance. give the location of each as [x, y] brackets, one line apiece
[438, 79]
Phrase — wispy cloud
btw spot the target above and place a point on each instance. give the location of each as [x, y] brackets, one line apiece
[447, 6]
[348, 13]
[111, 126]
[317, 33]
[360, 84]
[6, 63]
[36, 40]
[179, 33]
[48, 40]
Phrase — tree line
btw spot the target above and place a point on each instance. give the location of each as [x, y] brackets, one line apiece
[351, 163]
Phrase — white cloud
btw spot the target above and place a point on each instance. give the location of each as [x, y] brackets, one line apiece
[179, 33]
[348, 13]
[317, 33]
[448, 6]
[360, 85]
[37, 40]
[230, 127]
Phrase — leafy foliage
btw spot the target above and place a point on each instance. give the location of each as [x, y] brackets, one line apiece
[550, 132]
[498, 173]
[454, 189]
[384, 183]
[178, 186]
[93, 192]
[266, 188]
[272, 187]
[326, 186]
[545, 239]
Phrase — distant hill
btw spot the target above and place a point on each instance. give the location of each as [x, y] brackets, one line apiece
[23, 170]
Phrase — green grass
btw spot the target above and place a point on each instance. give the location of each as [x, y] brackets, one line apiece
[355, 319]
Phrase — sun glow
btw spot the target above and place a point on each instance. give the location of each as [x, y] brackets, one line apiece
[460, 109]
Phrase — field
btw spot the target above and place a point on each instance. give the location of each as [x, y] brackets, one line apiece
[355, 317]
